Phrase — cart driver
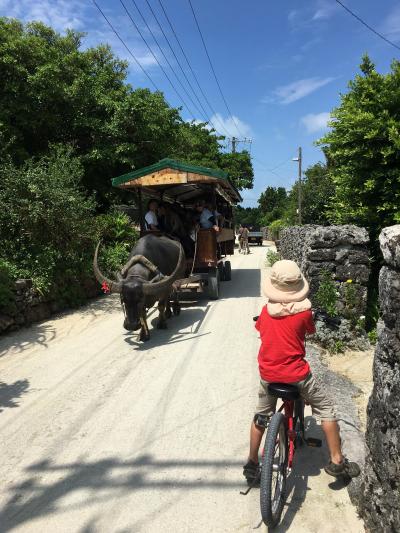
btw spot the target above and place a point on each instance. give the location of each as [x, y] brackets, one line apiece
[151, 219]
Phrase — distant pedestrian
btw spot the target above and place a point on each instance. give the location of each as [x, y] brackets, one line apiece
[243, 239]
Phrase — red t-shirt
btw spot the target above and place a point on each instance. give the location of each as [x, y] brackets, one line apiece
[282, 351]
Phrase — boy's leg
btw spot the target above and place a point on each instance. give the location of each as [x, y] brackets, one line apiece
[256, 433]
[265, 409]
[332, 435]
[322, 406]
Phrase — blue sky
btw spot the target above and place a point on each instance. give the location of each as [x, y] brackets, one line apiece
[281, 65]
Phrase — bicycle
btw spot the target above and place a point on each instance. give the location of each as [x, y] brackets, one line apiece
[285, 432]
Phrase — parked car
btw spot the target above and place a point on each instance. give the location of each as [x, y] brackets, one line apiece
[255, 235]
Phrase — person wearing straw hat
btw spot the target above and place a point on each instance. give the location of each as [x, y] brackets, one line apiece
[283, 325]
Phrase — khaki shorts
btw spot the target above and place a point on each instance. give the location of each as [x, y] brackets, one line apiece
[310, 391]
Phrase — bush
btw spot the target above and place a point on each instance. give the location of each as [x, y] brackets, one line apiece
[326, 296]
[272, 257]
[119, 236]
[7, 296]
[275, 227]
[49, 229]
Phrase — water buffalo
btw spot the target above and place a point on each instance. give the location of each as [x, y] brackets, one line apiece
[147, 277]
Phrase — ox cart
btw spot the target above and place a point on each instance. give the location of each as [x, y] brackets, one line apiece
[182, 186]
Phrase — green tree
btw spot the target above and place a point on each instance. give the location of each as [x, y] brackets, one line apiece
[363, 150]
[317, 191]
[272, 203]
[53, 92]
[239, 167]
[247, 215]
[363, 153]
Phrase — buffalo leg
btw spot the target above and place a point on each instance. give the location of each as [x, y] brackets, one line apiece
[144, 334]
[168, 311]
[162, 321]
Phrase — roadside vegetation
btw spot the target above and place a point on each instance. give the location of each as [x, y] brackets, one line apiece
[69, 122]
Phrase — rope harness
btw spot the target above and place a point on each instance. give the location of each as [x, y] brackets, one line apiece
[146, 263]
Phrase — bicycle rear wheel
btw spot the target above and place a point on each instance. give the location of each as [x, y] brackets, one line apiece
[274, 471]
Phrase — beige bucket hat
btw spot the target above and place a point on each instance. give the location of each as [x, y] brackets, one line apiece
[286, 283]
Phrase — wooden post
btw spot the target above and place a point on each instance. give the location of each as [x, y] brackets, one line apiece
[141, 220]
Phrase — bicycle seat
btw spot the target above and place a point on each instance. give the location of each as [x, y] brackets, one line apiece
[286, 391]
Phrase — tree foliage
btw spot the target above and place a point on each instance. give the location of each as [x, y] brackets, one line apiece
[272, 203]
[363, 150]
[53, 92]
[317, 191]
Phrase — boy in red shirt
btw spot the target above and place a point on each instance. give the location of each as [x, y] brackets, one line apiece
[283, 325]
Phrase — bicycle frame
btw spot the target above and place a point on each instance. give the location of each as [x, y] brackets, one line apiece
[288, 410]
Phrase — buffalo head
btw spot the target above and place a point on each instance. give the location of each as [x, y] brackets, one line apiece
[135, 289]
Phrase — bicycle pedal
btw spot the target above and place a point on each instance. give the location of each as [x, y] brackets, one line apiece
[314, 443]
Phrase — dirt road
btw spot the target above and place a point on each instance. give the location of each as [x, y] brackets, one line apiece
[99, 433]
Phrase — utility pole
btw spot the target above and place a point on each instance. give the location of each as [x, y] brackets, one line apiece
[299, 186]
[234, 141]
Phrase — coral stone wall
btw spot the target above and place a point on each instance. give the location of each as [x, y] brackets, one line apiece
[381, 503]
[340, 250]
[29, 306]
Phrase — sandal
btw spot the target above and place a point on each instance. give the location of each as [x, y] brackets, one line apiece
[345, 468]
[251, 472]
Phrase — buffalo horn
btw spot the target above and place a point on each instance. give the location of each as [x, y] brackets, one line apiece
[114, 286]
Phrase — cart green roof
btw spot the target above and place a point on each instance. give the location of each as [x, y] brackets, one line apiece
[195, 176]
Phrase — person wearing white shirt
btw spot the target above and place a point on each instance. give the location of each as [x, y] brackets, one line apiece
[151, 219]
[207, 218]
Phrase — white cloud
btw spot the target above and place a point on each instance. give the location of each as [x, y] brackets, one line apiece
[391, 25]
[292, 92]
[221, 124]
[292, 16]
[60, 14]
[314, 122]
[325, 9]
[83, 16]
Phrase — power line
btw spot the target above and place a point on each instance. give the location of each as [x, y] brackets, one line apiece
[126, 47]
[156, 59]
[367, 25]
[212, 68]
[178, 62]
[166, 58]
[215, 114]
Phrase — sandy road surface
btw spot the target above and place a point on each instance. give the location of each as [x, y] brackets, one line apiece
[101, 434]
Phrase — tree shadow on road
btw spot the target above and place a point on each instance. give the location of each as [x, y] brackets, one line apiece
[10, 393]
[16, 342]
[36, 497]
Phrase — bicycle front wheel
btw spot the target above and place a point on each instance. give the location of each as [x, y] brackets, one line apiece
[274, 471]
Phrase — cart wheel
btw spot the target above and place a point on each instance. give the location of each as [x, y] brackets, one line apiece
[228, 271]
[213, 284]
[221, 270]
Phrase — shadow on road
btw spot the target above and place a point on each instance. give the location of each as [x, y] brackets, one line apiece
[245, 283]
[307, 462]
[10, 393]
[42, 333]
[180, 328]
[35, 497]
[37, 334]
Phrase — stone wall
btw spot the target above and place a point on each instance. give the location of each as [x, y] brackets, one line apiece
[381, 503]
[31, 307]
[340, 250]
